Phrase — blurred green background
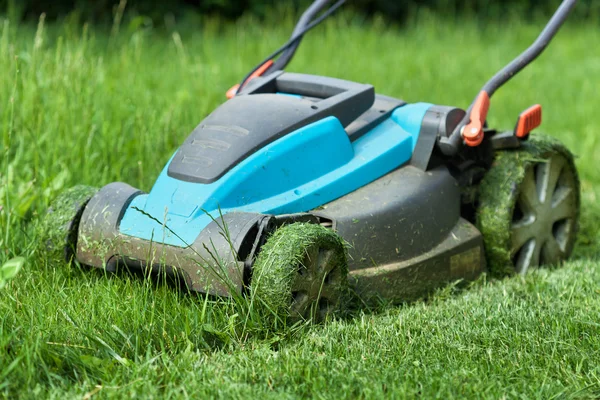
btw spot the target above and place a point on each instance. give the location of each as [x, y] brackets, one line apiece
[394, 10]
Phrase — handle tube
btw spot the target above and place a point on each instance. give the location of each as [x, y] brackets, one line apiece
[451, 145]
[304, 20]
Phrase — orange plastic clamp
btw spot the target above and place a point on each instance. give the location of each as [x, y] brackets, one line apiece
[261, 70]
[472, 133]
[528, 121]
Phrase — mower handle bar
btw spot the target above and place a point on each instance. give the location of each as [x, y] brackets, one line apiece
[303, 22]
[451, 145]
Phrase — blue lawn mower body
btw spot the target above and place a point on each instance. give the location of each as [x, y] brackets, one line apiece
[397, 182]
[269, 180]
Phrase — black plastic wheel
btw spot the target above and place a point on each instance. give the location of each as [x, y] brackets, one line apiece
[60, 223]
[529, 207]
[300, 273]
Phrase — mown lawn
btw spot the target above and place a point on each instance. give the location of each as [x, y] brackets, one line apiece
[95, 105]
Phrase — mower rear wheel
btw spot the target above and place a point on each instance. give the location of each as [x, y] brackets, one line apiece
[529, 207]
[60, 224]
[300, 273]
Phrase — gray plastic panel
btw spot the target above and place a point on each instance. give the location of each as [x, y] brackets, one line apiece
[235, 130]
[402, 214]
[381, 110]
[439, 121]
[255, 118]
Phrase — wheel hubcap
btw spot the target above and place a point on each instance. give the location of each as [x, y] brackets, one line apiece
[314, 290]
[544, 216]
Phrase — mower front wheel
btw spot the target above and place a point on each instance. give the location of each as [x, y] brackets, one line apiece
[60, 224]
[529, 207]
[300, 273]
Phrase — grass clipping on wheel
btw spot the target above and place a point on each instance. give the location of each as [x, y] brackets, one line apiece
[278, 263]
[56, 226]
[498, 193]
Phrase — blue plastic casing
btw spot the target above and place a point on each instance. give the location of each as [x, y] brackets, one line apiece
[300, 171]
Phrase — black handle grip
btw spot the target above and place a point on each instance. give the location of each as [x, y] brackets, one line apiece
[316, 86]
[342, 99]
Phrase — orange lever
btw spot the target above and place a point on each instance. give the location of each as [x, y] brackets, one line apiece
[261, 70]
[528, 121]
[472, 133]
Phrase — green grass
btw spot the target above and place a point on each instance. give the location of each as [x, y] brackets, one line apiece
[92, 106]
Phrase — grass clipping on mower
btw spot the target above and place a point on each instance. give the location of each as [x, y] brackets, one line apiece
[498, 193]
[54, 226]
[277, 266]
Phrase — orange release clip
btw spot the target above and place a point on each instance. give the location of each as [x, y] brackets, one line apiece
[261, 70]
[472, 133]
[528, 121]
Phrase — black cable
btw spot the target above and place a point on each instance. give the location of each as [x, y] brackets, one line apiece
[292, 40]
[304, 20]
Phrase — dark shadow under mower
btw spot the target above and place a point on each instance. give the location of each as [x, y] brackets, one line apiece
[301, 185]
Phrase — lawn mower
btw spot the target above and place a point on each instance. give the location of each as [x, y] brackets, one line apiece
[299, 187]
